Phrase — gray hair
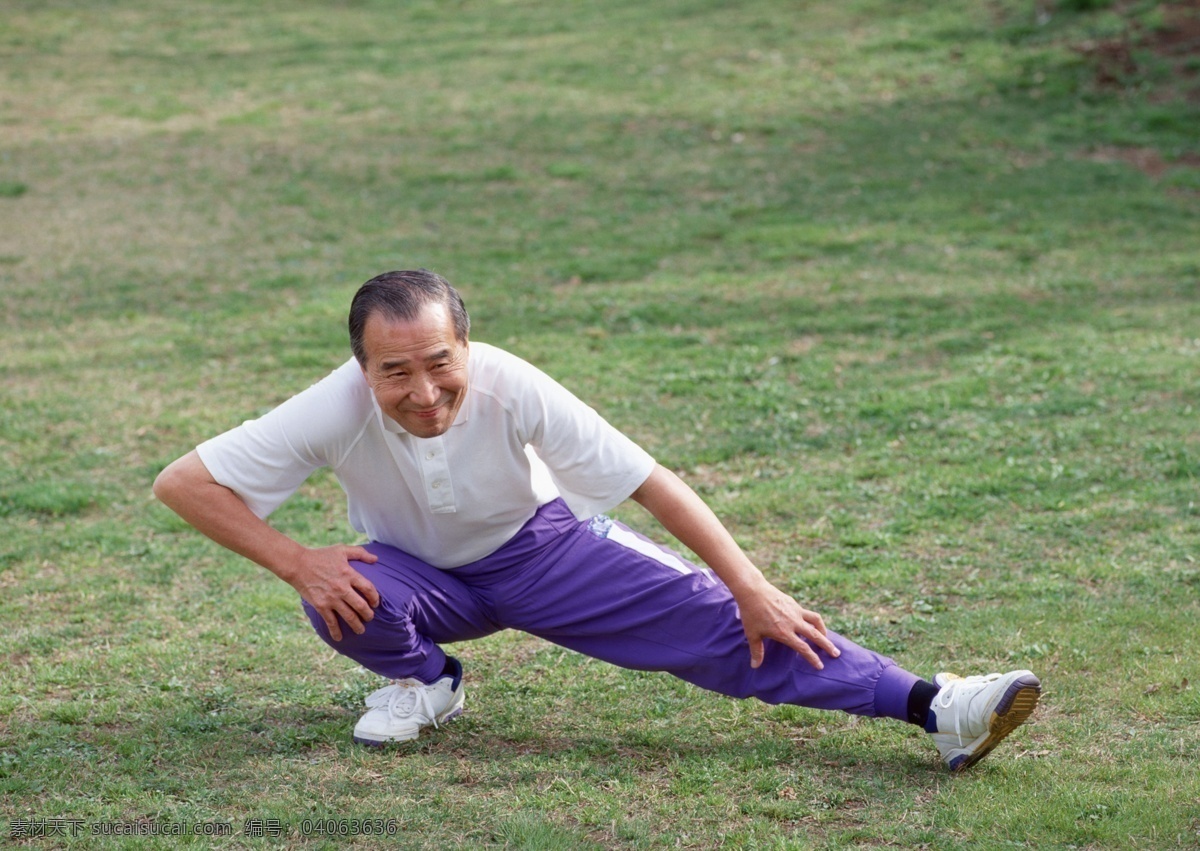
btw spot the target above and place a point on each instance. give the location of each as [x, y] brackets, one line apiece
[402, 295]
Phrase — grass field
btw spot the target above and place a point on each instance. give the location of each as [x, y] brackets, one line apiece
[909, 292]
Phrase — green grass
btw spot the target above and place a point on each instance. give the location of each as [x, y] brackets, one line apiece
[883, 281]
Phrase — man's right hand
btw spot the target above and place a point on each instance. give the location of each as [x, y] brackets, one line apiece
[325, 579]
[323, 576]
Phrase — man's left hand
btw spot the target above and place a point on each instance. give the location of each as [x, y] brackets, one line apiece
[770, 613]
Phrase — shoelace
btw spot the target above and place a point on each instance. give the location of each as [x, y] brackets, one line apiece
[964, 688]
[405, 699]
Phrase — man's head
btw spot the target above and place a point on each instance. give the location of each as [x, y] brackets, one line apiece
[409, 334]
[401, 296]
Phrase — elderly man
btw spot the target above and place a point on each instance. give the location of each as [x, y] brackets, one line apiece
[481, 486]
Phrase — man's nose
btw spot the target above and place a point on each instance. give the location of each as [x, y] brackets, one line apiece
[425, 392]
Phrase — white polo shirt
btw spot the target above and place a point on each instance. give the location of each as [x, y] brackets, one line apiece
[520, 439]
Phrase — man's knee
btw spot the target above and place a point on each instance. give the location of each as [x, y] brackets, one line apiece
[390, 624]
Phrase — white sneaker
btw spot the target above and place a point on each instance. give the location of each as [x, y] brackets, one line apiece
[396, 713]
[940, 679]
[973, 714]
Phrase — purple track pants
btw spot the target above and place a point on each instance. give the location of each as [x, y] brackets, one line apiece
[603, 590]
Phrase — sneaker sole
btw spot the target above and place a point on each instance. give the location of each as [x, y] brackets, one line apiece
[453, 712]
[1011, 712]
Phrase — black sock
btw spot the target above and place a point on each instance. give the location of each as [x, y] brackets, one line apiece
[919, 700]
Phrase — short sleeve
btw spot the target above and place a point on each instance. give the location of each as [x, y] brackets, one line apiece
[265, 460]
[594, 466]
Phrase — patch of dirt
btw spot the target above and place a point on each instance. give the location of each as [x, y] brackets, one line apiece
[1180, 34]
[1174, 41]
[1146, 160]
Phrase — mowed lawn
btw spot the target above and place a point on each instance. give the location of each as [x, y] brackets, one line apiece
[909, 292]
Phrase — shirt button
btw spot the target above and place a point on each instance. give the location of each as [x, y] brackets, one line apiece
[429, 456]
[437, 485]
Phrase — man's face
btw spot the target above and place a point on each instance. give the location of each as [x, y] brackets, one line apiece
[417, 369]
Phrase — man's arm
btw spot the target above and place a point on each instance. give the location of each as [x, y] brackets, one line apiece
[322, 576]
[766, 611]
